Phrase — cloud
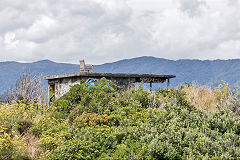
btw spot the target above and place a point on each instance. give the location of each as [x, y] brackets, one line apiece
[192, 7]
[107, 30]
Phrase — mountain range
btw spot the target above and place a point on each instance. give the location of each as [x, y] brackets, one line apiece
[208, 72]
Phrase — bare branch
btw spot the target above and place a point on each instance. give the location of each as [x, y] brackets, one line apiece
[27, 88]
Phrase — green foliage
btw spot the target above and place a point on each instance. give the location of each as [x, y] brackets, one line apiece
[185, 134]
[129, 124]
[15, 121]
[95, 99]
[23, 126]
[6, 145]
[101, 122]
[91, 119]
[89, 143]
[55, 136]
[44, 124]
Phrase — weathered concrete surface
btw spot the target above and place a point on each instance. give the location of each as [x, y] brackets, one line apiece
[139, 77]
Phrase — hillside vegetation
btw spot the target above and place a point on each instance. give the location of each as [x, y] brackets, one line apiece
[101, 122]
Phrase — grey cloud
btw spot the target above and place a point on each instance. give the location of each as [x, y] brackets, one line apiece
[192, 7]
[233, 2]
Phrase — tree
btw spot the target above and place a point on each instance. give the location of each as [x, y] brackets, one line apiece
[27, 88]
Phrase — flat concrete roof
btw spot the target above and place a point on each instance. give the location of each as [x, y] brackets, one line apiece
[108, 75]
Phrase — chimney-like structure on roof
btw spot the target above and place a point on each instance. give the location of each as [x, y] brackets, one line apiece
[85, 67]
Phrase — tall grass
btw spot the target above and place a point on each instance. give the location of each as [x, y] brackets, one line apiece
[210, 99]
[203, 97]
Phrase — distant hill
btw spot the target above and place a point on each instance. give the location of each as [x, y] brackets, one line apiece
[209, 72]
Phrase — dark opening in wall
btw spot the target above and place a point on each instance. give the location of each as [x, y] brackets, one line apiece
[51, 94]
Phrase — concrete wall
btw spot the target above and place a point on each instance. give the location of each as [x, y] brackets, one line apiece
[63, 85]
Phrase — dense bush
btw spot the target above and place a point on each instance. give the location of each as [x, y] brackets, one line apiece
[101, 122]
[16, 119]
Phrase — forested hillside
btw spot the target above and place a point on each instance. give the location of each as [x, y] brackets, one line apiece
[101, 122]
[203, 72]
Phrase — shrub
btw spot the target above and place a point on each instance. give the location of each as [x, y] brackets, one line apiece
[189, 134]
[87, 144]
[91, 119]
[101, 122]
[55, 136]
[23, 126]
[44, 124]
[94, 99]
[6, 145]
[12, 146]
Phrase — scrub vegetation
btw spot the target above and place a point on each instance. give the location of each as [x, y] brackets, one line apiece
[101, 122]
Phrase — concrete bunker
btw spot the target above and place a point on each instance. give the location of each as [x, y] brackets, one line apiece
[60, 84]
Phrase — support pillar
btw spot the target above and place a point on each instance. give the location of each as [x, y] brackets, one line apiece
[150, 86]
[168, 83]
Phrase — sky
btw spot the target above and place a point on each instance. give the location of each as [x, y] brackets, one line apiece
[102, 31]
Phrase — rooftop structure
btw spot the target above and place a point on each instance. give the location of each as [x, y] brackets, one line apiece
[60, 84]
[85, 67]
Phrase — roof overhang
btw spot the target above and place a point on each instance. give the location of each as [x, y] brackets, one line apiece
[138, 77]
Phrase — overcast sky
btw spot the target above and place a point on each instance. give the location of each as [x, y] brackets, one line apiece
[103, 31]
